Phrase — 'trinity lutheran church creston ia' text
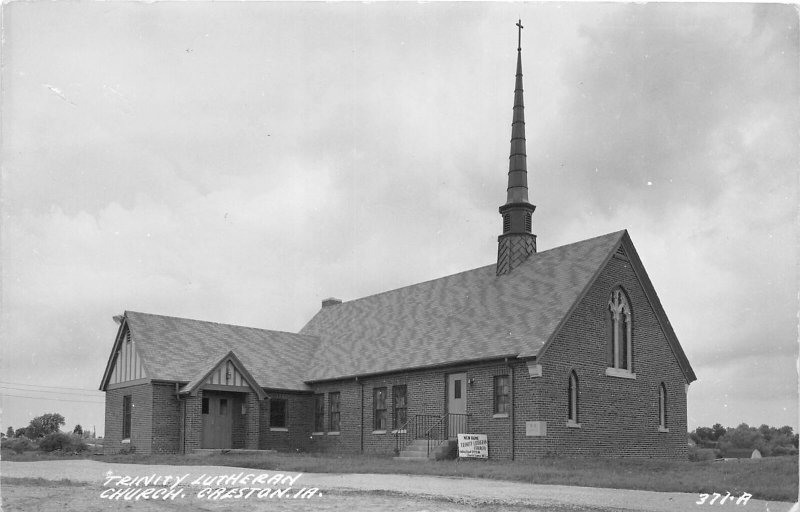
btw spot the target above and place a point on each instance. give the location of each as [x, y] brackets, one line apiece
[567, 351]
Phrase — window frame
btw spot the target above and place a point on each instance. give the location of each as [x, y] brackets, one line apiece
[396, 423]
[379, 419]
[620, 319]
[127, 416]
[334, 425]
[502, 395]
[663, 414]
[272, 415]
[573, 400]
[319, 412]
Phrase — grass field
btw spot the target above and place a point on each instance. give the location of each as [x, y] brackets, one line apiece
[770, 478]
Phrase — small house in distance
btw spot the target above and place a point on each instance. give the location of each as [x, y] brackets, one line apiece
[563, 352]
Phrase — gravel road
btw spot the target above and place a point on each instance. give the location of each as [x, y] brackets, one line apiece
[339, 492]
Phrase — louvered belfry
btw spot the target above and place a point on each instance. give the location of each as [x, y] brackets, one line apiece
[517, 242]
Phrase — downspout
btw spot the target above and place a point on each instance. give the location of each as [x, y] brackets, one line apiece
[182, 408]
[362, 414]
[511, 416]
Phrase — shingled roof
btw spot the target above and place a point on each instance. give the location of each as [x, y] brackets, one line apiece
[470, 316]
[180, 349]
[463, 317]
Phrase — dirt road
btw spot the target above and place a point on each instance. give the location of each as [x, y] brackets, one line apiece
[91, 485]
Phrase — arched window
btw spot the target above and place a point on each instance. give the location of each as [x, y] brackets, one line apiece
[662, 406]
[621, 343]
[572, 398]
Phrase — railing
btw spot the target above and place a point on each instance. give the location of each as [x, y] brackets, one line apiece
[431, 427]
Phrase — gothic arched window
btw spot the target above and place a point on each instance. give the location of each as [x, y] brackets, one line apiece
[662, 407]
[572, 398]
[621, 343]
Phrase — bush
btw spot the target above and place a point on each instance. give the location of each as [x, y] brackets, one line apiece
[60, 441]
[19, 444]
[698, 454]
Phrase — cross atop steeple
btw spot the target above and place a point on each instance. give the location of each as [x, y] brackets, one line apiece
[519, 36]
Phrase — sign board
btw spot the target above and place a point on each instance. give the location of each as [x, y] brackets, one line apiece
[536, 428]
[474, 446]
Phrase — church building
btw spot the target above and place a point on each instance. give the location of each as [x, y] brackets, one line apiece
[564, 352]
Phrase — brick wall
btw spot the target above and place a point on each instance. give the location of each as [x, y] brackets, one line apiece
[618, 417]
[299, 421]
[166, 413]
[141, 419]
[426, 394]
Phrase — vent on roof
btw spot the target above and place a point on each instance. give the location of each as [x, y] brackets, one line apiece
[527, 222]
[332, 301]
[506, 223]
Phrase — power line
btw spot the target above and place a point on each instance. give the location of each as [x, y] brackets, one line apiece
[54, 399]
[44, 391]
[49, 387]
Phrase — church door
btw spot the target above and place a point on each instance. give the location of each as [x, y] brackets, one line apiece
[456, 404]
[217, 412]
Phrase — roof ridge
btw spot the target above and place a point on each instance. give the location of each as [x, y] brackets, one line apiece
[476, 268]
[222, 324]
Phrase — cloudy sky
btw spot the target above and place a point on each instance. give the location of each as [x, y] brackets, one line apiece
[239, 162]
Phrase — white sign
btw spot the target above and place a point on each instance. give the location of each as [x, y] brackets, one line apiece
[474, 446]
[536, 428]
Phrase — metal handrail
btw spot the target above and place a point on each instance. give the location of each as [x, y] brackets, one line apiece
[431, 427]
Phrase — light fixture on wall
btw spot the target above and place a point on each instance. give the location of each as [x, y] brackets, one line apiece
[471, 382]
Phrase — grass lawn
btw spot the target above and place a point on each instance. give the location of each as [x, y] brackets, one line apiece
[770, 478]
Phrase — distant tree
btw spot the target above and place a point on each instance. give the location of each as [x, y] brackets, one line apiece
[10, 432]
[78, 429]
[786, 430]
[45, 424]
[717, 431]
[20, 432]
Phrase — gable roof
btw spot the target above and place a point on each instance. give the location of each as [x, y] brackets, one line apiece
[463, 317]
[470, 316]
[183, 350]
[193, 386]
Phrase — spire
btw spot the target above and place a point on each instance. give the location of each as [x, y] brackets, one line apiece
[517, 242]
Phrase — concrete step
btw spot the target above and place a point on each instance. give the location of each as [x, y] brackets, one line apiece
[411, 459]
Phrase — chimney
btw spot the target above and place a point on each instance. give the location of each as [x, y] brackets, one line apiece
[331, 301]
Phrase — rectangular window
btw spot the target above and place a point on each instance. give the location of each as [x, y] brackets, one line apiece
[379, 408]
[277, 412]
[501, 394]
[205, 406]
[333, 406]
[400, 406]
[457, 389]
[319, 413]
[126, 417]
[223, 406]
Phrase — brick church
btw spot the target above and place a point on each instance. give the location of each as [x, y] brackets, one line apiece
[564, 352]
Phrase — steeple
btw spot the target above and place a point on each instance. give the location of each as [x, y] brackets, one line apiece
[517, 242]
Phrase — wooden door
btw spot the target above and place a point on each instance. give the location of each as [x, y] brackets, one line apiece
[217, 412]
[456, 404]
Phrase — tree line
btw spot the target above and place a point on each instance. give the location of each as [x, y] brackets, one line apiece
[770, 441]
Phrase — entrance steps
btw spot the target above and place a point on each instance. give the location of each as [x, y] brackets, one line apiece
[418, 451]
[229, 451]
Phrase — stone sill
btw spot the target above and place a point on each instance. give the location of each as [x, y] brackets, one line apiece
[500, 415]
[333, 433]
[126, 441]
[378, 431]
[399, 431]
[662, 429]
[278, 429]
[572, 424]
[619, 372]
[317, 433]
